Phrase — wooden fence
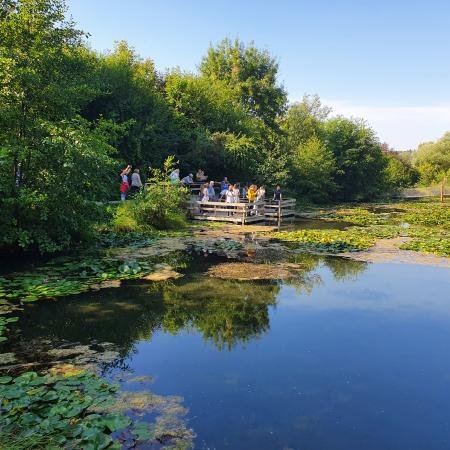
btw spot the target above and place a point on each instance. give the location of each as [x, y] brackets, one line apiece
[243, 212]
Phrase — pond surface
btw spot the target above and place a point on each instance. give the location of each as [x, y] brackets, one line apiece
[346, 356]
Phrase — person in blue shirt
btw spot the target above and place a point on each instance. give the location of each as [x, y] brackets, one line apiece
[224, 185]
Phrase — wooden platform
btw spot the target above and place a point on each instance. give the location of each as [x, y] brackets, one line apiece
[244, 212]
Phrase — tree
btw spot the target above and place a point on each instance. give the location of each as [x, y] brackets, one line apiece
[49, 156]
[314, 170]
[432, 160]
[360, 162]
[130, 94]
[253, 75]
[304, 120]
[398, 174]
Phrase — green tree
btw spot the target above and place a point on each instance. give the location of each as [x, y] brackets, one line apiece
[432, 160]
[49, 158]
[130, 94]
[314, 170]
[253, 75]
[359, 159]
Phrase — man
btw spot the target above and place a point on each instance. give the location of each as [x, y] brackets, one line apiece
[188, 179]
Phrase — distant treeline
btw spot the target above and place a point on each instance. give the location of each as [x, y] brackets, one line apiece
[70, 117]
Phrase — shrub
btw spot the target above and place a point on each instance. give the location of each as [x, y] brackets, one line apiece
[123, 220]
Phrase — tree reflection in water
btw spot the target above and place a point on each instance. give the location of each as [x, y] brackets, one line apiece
[224, 312]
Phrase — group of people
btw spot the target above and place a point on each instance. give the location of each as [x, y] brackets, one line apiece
[188, 179]
[127, 185]
[230, 193]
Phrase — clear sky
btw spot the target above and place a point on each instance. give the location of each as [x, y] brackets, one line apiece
[385, 61]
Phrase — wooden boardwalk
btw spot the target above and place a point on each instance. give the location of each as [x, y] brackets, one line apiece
[243, 212]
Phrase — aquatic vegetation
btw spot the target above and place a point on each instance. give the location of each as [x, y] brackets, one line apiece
[431, 215]
[439, 246]
[3, 326]
[69, 407]
[133, 239]
[357, 216]
[220, 247]
[325, 241]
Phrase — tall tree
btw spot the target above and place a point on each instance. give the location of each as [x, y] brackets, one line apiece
[360, 162]
[253, 75]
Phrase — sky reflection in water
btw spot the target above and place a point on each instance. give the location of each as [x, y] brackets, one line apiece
[349, 356]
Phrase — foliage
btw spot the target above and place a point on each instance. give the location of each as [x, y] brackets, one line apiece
[64, 410]
[53, 162]
[432, 160]
[427, 224]
[398, 174]
[123, 220]
[314, 170]
[437, 245]
[3, 326]
[161, 205]
[325, 241]
[360, 162]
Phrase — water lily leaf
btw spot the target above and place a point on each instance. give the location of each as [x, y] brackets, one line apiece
[5, 380]
[116, 422]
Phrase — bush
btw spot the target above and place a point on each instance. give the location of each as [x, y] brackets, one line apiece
[123, 220]
[161, 207]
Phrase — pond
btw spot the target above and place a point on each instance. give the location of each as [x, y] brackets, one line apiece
[347, 355]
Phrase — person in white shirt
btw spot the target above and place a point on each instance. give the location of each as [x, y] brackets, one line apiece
[235, 194]
[136, 182]
[175, 176]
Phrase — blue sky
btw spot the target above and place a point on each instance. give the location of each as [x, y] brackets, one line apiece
[385, 61]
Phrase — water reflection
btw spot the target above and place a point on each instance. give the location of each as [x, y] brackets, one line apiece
[225, 312]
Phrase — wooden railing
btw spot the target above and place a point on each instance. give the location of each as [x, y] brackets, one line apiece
[243, 212]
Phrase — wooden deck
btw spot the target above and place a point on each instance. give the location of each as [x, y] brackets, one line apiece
[243, 213]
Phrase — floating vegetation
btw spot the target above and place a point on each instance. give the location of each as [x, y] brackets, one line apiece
[72, 408]
[325, 241]
[439, 246]
[228, 247]
[252, 271]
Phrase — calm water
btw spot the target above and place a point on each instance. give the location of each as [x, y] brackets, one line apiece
[348, 356]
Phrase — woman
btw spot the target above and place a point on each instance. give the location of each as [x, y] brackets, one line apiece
[136, 182]
[235, 194]
[260, 194]
[229, 196]
[124, 186]
[200, 175]
[205, 192]
[277, 196]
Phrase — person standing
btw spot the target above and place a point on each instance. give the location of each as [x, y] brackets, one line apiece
[211, 191]
[136, 183]
[175, 176]
[229, 197]
[224, 184]
[124, 186]
[277, 195]
[205, 192]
